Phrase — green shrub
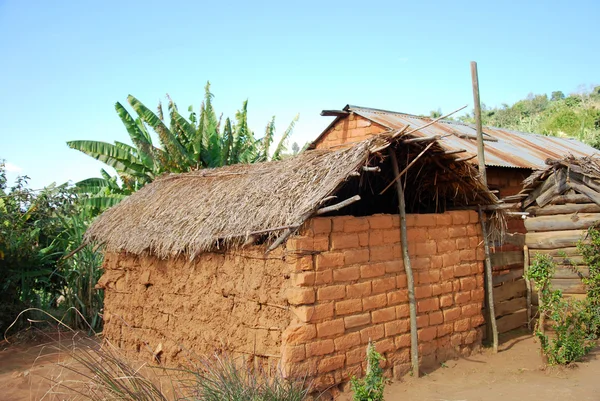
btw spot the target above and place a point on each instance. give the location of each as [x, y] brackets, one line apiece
[371, 387]
[571, 320]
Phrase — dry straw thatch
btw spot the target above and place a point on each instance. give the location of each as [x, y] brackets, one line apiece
[588, 166]
[209, 209]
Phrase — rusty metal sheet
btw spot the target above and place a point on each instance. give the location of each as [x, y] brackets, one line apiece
[504, 148]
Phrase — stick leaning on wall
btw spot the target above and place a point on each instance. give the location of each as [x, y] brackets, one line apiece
[414, 345]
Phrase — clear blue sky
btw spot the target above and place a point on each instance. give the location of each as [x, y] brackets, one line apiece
[63, 64]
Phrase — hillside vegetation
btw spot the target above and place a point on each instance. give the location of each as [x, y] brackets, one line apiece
[576, 115]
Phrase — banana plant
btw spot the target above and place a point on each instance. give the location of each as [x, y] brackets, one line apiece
[185, 144]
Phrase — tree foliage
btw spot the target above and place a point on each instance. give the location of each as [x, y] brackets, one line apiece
[576, 115]
[185, 144]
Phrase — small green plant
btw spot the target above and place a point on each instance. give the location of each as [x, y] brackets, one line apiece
[590, 250]
[569, 319]
[371, 387]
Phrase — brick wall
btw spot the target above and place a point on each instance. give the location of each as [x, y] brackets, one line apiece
[354, 128]
[350, 286]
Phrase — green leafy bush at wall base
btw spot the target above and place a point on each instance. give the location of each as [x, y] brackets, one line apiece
[371, 387]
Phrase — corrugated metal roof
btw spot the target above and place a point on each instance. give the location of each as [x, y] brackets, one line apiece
[503, 148]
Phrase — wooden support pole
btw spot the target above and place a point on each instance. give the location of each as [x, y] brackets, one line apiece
[527, 283]
[466, 158]
[433, 121]
[477, 105]
[489, 285]
[422, 139]
[410, 281]
[338, 206]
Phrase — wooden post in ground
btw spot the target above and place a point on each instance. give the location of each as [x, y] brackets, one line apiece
[527, 283]
[478, 127]
[489, 285]
[414, 345]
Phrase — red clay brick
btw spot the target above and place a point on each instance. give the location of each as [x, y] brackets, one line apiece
[322, 347]
[471, 310]
[474, 242]
[436, 318]
[411, 220]
[344, 241]
[331, 292]
[358, 290]
[460, 217]
[427, 334]
[403, 341]
[420, 263]
[469, 337]
[331, 363]
[478, 295]
[462, 243]
[356, 356]
[363, 239]
[457, 231]
[384, 284]
[427, 305]
[375, 238]
[299, 334]
[426, 248]
[468, 255]
[445, 329]
[293, 353]
[436, 289]
[477, 321]
[385, 345]
[397, 327]
[474, 217]
[300, 296]
[462, 298]
[311, 313]
[303, 279]
[416, 234]
[300, 243]
[394, 266]
[381, 253]
[346, 274]
[357, 320]
[397, 297]
[328, 260]
[374, 302]
[422, 321]
[372, 333]
[438, 233]
[383, 315]
[402, 311]
[391, 236]
[352, 256]
[396, 221]
[446, 287]
[345, 342]
[436, 261]
[426, 220]
[356, 224]
[462, 270]
[451, 259]
[462, 325]
[330, 328]
[321, 243]
[401, 281]
[321, 225]
[423, 291]
[372, 270]
[427, 277]
[338, 223]
[380, 221]
[323, 277]
[443, 219]
[446, 300]
[468, 283]
[348, 306]
[452, 314]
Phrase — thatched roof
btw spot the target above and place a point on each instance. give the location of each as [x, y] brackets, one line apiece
[572, 176]
[209, 209]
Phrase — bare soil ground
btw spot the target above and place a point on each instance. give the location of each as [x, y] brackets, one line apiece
[27, 369]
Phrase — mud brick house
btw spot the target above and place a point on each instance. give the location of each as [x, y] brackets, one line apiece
[299, 263]
[510, 158]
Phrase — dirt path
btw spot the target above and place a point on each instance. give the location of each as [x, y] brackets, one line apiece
[515, 373]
